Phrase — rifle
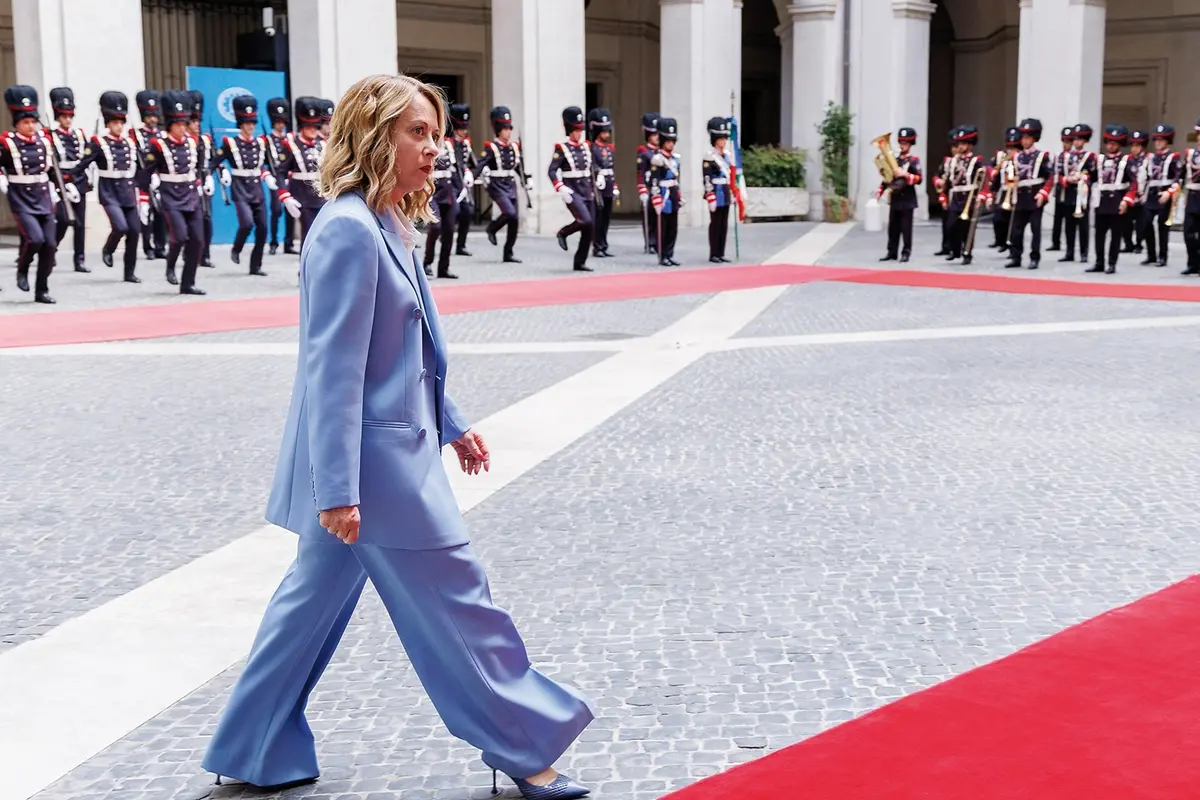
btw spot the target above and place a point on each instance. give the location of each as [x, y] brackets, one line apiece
[521, 175]
[58, 178]
[224, 188]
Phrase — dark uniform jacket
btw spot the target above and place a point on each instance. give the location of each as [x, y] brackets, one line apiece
[1035, 178]
[502, 163]
[1080, 163]
[301, 160]
[26, 162]
[571, 165]
[1189, 176]
[70, 145]
[604, 162]
[142, 139]
[117, 168]
[904, 189]
[963, 170]
[664, 181]
[248, 160]
[447, 179]
[175, 162]
[1158, 172]
[1116, 180]
[645, 154]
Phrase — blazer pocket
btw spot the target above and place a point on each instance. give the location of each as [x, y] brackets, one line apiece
[386, 423]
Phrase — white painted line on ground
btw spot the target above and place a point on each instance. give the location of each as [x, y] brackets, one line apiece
[809, 249]
[90, 681]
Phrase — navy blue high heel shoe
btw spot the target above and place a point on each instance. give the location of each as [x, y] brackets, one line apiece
[561, 788]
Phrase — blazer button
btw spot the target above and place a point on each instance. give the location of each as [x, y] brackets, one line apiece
[417, 314]
[421, 433]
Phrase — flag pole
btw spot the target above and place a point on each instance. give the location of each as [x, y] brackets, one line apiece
[737, 244]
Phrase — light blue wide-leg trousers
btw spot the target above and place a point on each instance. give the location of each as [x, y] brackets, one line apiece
[464, 648]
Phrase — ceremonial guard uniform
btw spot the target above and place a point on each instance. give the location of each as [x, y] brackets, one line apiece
[277, 147]
[301, 162]
[1061, 208]
[1000, 185]
[1158, 181]
[1137, 155]
[966, 170]
[460, 118]
[1190, 178]
[903, 197]
[248, 168]
[207, 155]
[447, 187]
[645, 154]
[665, 194]
[327, 107]
[1116, 190]
[154, 232]
[69, 144]
[718, 191]
[174, 158]
[500, 167]
[127, 208]
[604, 160]
[26, 162]
[941, 182]
[1035, 181]
[571, 173]
[1078, 169]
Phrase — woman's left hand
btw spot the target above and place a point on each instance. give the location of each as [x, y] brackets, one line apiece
[472, 453]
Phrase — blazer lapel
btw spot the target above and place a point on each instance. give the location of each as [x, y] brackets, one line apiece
[396, 245]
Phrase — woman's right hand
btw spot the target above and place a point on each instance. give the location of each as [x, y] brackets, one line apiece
[342, 523]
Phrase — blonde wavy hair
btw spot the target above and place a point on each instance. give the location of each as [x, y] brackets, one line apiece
[360, 154]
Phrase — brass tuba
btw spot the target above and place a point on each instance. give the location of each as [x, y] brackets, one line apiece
[885, 161]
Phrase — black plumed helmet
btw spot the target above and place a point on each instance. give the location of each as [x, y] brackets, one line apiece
[62, 100]
[501, 118]
[176, 105]
[1082, 131]
[1138, 137]
[327, 108]
[1031, 127]
[149, 103]
[1164, 131]
[245, 108]
[718, 128]
[1068, 133]
[22, 102]
[1116, 133]
[572, 117]
[600, 119]
[114, 106]
[1012, 137]
[460, 115]
[650, 123]
[907, 135]
[967, 134]
[308, 111]
[279, 110]
[667, 129]
[197, 103]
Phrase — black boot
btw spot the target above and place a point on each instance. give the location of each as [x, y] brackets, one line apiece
[191, 290]
[235, 256]
[79, 267]
[171, 279]
[106, 257]
[44, 297]
[130, 277]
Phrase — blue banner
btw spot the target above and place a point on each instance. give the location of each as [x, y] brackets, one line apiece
[220, 86]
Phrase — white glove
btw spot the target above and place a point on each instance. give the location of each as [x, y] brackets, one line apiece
[144, 213]
[72, 192]
[155, 181]
[3, 184]
[529, 186]
[601, 182]
[209, 185]
[486, 176]
[712, 206]
[468, 179]
[645, 198]
[226, 178]
[616, 191]
[55, 197]
[292, 206]
[271, 183]
[566, 194]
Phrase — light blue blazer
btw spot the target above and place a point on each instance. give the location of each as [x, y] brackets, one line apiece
[369, 412]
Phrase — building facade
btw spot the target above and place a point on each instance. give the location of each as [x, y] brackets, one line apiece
[929, 64]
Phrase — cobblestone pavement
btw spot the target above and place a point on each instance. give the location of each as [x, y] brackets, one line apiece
[774, 541]
[541, 258]
[864, 249]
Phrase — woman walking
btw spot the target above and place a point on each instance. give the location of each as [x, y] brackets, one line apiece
[360, 479]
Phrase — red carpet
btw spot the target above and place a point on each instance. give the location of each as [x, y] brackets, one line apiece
[1107, 710]
[214, 316]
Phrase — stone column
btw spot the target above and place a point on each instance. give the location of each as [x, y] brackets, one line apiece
[784, 32]
[61, 43]
[684, 95]
[1083, 87]
[816, 79]
[538, 69]
[736, 38]
[332, 44]
[910, 78]
[1026, 64]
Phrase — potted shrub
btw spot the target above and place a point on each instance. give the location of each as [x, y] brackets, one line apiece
[836, 140]
[775, 185]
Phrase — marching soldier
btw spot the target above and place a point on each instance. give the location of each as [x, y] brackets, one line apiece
[961, 187]
[903, 198]
[69, 143]
[1035, 181]
[1190, 178]
[718, 193]
[447, 187]
[26, 163]
[204, 170]
[501, 166]
[607, 192]
[154, 233]
[460, 118]
[127, 207]
[1078, 169]
[665, 194]
[174, 159]
[941, 184]
[1137, 156]
[1002, 171]
[301, 160]
[1061, 208]
[645, 154]
[1116, 186]
[571, 173]
[280, 114]
[1158, 182]
[245, 166]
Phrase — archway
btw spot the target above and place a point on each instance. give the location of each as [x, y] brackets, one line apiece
[761, 74]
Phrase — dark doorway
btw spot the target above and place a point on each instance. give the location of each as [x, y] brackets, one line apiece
[450, 84]
[594, 95]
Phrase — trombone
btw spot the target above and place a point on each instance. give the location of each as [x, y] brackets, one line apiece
[976, 188]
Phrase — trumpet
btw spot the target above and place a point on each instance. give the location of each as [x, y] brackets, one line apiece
[976, 187]
[1010, 185]
[1174, 205]
[1081, 195]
